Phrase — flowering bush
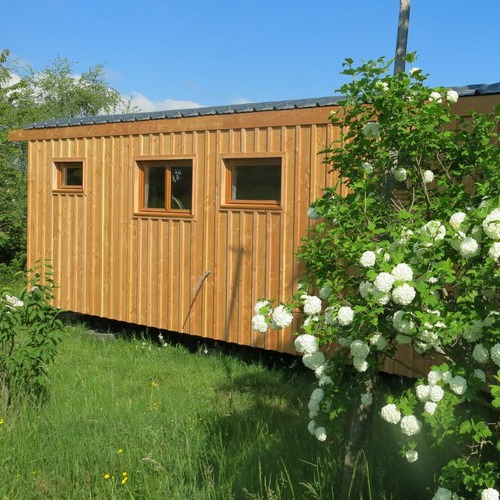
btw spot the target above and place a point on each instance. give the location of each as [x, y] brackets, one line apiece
[30, 332]
[409, 256]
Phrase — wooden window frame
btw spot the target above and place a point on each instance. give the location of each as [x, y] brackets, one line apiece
[62, 165]
[168, 163]
[231, 163]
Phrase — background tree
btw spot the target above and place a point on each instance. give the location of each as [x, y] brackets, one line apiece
[27, 96]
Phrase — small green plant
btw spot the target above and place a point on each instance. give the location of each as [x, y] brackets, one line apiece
[30, 333]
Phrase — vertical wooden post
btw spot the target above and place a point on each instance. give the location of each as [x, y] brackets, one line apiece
[402, 38]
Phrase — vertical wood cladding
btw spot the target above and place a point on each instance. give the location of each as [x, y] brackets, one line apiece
[200, 275]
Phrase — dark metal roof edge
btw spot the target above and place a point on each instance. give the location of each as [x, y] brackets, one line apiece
[463, 91]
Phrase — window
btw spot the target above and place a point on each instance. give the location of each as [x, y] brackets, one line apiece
[255, 181]
[166, 186]
[69, 175]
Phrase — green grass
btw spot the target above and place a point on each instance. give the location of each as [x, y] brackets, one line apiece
[180, 423]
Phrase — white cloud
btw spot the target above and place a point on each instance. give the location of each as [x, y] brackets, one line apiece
[240, 100]
[13, 79]
[142, 103]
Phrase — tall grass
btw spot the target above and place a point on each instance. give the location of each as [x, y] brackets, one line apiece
[131, 419]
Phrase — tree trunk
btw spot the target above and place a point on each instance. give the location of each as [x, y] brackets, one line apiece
[354, 474]
[402, 38]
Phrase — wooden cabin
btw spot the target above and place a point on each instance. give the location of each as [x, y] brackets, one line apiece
[181, 220]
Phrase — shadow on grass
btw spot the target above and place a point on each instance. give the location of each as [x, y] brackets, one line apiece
[265, 451]
[258, 445]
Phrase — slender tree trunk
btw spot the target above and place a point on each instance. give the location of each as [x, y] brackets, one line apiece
[402, 38]
[354, 473]
[399, 67]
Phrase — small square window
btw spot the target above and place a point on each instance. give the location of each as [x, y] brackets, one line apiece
[255, 181]
[69, 175]
[166, 186]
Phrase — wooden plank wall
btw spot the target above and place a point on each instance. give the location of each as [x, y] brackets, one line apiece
[111, 263]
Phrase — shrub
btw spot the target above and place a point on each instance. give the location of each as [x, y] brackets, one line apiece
[30, 332]
[409, 257]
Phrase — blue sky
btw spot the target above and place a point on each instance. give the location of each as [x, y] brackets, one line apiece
[168, 54]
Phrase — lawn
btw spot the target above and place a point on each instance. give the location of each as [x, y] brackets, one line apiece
[130, 418]
[141, 419]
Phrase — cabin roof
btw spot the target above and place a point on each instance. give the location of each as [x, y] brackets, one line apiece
[468, 90]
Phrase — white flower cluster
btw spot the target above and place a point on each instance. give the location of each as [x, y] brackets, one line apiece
[281, 317]
[314, 408]
[315, 401]
[403, 294]
[402, 272]
[266, 317]
[480, 354]
[495, 354]
[400, 174]
[390, 413]
[378, 341]
[313, 360]
[366, 399]
[306, 344]
[491, 224]
[494, 251]
[428, 176]
[410, 425]
[368, 259]
[457, 220]
[312, 213]
[359, 352]
[403, 323]
[343, 315]
[260, 324]
[469, 245]
[383, 282]
[451, 96]
[312, 304]
[371, 130]
[13, 301]
[312, 357]
[435, 230]
[318, 432]
[443, 494]
[382, 291]
[430, 395]
[490, 494]
[457, 383]
[383, 86]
